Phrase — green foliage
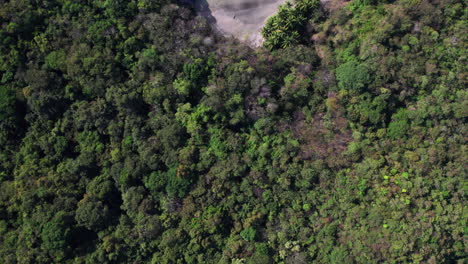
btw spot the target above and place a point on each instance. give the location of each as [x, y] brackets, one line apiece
[118, 8]
[217, 144]
[182, 86]
[358, 4]
[89, 142]
[56, 60]
[399, 125]
[55, 234]
[155, 182]
[195, 71]
[248, 234]
[352, 76]
[193, 119]
[131, 133]
[92, 214]
[296, 88]
[288, 25]
[7, 101]
[193, 77]
[175, 185]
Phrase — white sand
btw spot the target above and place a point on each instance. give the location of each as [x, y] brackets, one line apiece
[242, 19]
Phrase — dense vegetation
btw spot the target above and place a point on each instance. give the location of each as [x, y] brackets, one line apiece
[131, 133]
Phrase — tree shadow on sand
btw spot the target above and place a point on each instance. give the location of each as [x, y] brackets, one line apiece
[203, 8]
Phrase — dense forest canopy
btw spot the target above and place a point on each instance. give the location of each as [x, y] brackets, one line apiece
[130, 132]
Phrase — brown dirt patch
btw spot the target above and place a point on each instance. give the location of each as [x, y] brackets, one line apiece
[326, 136]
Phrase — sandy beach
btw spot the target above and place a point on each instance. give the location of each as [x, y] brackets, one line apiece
[242, 19]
